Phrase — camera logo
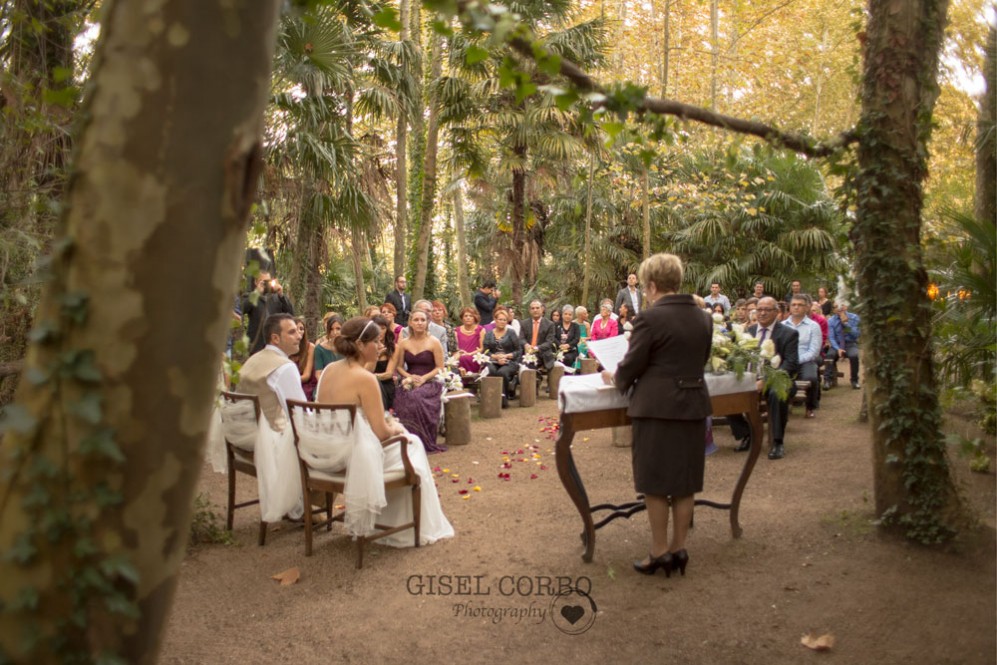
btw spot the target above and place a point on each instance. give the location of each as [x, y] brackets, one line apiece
[572, 611]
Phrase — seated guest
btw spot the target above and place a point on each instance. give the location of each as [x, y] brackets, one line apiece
[304, 358]
[418, 359]
[437, 331]
[567, 336]
[716, 298]
[624, 318]
[388, 311]
[513, 320]
[604, 326]
[439, 317]
[470, 339]
[353, 384]
[384, 367]
[503, 347]
[371, 311]
[739, 313]
[582, 319]
[826, 304]
[273, 378]
[324, 351]
[843, 334]
[809, 346]
[719, 309]
[555, 315]
[787, 346]
[538, 336]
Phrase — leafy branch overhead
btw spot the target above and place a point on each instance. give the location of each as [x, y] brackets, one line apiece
[506, 28]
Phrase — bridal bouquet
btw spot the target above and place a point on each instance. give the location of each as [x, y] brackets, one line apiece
[408, 383]
[738, 351]
[451, 380]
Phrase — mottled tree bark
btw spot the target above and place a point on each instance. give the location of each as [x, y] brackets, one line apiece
[913, 487]
[429, 171]
[103, 450]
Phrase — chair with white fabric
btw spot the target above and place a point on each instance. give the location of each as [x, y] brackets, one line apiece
[334, 459]
[240, 415]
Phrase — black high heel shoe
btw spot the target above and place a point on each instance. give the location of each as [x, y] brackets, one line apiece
[679, 560]
[651, 567]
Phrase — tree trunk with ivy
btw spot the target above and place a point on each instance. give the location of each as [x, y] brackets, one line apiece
[518, 215]
[914, 491]
[104, 444]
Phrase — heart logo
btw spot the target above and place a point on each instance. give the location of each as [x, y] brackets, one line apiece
[572, 613]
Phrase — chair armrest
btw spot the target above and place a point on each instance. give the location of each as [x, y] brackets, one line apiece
[403, 441]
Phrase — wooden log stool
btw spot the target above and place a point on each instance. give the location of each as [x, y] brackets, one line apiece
[457, 416]
[554, 380]
[491, 397]
[589, 366]
[528, 387]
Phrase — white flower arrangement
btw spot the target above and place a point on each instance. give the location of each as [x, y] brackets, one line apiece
[408, 383]
[451, 380]
[530, 358]
[738, 351]
[481, 358]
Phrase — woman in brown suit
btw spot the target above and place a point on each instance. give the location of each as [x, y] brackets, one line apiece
[669, 404]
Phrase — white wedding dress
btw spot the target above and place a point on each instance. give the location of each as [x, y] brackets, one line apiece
[328, 444]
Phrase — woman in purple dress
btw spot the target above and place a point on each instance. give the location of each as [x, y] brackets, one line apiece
[469, 338]
[419, 359]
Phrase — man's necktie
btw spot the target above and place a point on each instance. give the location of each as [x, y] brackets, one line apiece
[536, 331]
[764, 333]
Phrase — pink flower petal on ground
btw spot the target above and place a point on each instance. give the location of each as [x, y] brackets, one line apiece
[462, 492]
[533, 476]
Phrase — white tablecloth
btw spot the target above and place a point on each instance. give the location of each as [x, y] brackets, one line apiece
[588, 392]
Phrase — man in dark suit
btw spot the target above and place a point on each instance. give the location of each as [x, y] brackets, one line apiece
[629, 295]
[787, 346]
[401, 300]
[537, 334]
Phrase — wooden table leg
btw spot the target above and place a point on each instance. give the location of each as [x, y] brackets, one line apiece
[573, 484]
[755, 421]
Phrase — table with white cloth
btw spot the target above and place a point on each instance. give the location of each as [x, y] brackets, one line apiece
[586, 403]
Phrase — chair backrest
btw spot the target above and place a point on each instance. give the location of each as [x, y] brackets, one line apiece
[240, 420]
[324, 434]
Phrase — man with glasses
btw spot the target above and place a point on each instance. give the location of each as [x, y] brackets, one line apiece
[787, 343]
[811, 339]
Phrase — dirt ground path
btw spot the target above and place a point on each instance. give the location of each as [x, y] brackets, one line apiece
[809, 562]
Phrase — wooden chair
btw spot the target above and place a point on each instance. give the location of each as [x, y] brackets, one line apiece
[239, 453]
[330, 483]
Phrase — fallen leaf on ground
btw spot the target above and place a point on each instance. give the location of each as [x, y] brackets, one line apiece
[823, 643]
[288, 577]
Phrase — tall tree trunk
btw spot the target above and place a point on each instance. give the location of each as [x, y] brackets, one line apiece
[986, 135]
[518, 223]
[105, 444]
[913, 489]
[586, 267]
[667, 47]
[458, 216]
[714, 51]
[401, 165]
[429, 170]
[356, 256]
[645, 204]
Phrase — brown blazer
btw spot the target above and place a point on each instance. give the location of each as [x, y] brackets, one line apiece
[669, 346]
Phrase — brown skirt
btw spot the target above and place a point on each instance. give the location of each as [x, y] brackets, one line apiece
[669, 456]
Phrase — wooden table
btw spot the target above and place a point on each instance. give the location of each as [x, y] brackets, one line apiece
[745, 402]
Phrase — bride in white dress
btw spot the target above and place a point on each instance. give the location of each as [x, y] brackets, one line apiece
[348, 381]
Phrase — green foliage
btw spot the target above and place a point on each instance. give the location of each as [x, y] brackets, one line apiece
[975, 449]
[206, 526]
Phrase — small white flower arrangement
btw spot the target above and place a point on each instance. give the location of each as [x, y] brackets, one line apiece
[481, 358]
[530, 358]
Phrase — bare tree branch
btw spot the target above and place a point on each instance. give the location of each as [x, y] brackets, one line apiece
[797, 142]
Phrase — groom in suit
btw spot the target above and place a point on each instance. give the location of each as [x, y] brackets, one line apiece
[537, 334]
[787, 345]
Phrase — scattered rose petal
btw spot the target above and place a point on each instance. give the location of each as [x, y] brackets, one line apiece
[543, 467]
[584, 439]
[488, 438]
[473, 462]
[455, 475]
[533, 476]
[455, 480]
[465, 498]
[462, 492]
[477, 488]
[288, 577]
[823, 643]
[446, 470]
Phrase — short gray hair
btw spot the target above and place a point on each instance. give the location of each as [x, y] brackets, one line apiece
[570, 309]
